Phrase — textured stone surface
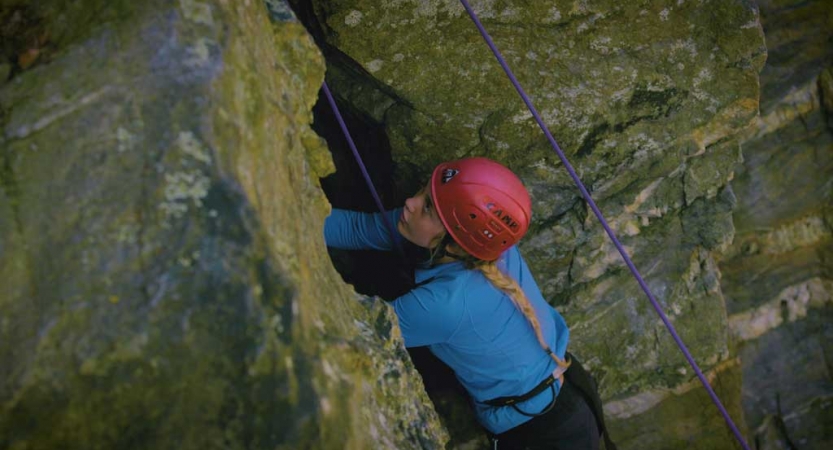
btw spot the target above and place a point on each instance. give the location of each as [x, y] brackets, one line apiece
[164, 279]
[782, 218]
[641, 114]
[164, 285]
[797, 39]
[669, 419]
[787, 377]
[670, 200]
[778, 272]
[650, 120]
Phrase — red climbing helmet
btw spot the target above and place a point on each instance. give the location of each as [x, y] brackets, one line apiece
[483, 205]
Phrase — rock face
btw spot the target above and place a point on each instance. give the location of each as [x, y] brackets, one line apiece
[164, 279]
[650, 120]
[681, 132]
[166, 285]
[777, 275]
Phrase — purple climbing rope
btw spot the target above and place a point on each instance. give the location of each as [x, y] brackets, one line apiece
[359, 160]
[601, 218]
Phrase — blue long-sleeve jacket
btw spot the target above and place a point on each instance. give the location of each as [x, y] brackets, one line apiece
[467, 322]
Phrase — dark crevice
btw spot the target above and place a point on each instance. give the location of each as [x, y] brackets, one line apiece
[553, 220]
[384, 274]
[570, 266]
[582, 210]
[781, 425]
[346, 188]
[785, 311]
[24, 39]
[8, 182]
[144, 203]
[825, 79]
[317, 28]
[370, 272]
[657, 342]
[646, 105]
[593, 138]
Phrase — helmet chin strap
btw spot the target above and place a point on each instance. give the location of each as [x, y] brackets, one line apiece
[441, 251]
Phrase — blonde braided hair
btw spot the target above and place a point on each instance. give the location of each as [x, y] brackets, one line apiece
[511, 288]
[500, 280]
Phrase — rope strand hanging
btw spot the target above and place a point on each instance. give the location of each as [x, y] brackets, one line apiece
[584, 193]
[359, 160]
[604, 223]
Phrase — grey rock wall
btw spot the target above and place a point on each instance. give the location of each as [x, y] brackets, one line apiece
[778, 273]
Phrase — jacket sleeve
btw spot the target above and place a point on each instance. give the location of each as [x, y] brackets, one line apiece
[427, 317]
[352, 230]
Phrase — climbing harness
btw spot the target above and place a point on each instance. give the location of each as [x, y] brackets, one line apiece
[579, 379]
[548, 383]
[584, 194]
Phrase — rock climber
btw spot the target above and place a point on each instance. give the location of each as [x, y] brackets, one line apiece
[477, 308]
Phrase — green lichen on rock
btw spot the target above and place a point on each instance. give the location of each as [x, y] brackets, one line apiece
[448, 97]
[663, 419]
[163, 286]
[706, 174]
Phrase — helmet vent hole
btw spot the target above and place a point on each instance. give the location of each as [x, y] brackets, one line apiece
[504, 242]
[472, 216]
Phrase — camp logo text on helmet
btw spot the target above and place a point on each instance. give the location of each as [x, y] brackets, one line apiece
[500, 214]
[486, 209]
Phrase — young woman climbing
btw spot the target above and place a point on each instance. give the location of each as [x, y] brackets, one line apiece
[478, 309]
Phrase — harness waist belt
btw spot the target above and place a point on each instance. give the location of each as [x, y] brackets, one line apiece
[541, 387]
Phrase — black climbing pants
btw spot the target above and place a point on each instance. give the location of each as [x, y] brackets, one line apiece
[569, 425]
[575, 422]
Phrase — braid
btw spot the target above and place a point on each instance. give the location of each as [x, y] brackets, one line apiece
[503, 282]
[511, 288]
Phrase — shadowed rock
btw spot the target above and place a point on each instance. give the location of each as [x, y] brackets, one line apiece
[165, 281]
